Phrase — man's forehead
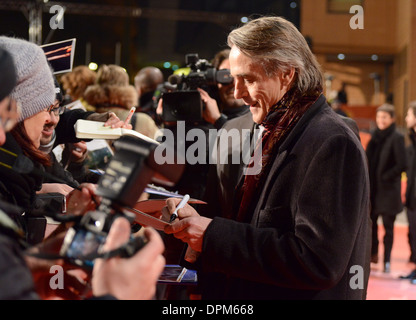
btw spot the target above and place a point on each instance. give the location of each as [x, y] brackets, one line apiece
[246, 67]
[240, 64]
[234, 52]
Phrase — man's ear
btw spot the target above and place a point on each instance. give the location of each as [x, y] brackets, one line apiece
[287, 77]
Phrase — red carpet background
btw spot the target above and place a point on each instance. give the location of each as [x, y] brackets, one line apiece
[388, 286]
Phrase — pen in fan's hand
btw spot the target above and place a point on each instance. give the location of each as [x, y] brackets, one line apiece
[181, 204]
[131, 112]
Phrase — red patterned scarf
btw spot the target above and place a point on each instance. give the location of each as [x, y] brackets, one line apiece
[280, 120]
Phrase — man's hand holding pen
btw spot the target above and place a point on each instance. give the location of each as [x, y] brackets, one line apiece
[189, 226]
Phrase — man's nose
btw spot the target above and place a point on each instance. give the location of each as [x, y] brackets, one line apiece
[239, 91]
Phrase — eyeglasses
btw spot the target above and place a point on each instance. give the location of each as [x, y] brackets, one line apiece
[56, 109]
[10, 115]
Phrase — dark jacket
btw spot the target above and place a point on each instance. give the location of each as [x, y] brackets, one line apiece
[310, 228]
[15, 277]
[225, 172]
[65, 132]
[386, 154]
[57, 171]
[20, 189]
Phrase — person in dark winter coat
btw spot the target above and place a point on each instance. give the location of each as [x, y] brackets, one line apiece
[289, 235]
[410, 201]
[387, 161]
[34, 92]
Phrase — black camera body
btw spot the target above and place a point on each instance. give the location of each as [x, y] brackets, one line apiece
[202, 74]
[126, 176]
[185, 103]
[82, 242]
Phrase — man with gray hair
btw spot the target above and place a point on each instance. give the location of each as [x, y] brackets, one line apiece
[300, 228]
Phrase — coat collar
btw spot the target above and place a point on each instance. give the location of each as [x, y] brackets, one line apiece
[300, 126]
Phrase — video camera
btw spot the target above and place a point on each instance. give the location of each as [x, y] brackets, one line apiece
[185, 103]
[126, 176]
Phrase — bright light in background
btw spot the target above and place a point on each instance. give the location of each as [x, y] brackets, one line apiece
[175, 67]
[374, 57]
[182, 71]
[244, 19]
[167, 65]
[293, 5]
[341, 56]
[93, 66]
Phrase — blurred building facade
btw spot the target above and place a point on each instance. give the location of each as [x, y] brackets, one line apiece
[377, 63]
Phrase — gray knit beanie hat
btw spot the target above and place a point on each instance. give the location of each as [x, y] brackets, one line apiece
[35, 89]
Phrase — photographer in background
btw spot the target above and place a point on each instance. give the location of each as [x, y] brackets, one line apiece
[210, 87]
[226, 107]
[181, 109]
[111, 278]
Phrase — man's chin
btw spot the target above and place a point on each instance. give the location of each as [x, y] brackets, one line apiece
[256, 117]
